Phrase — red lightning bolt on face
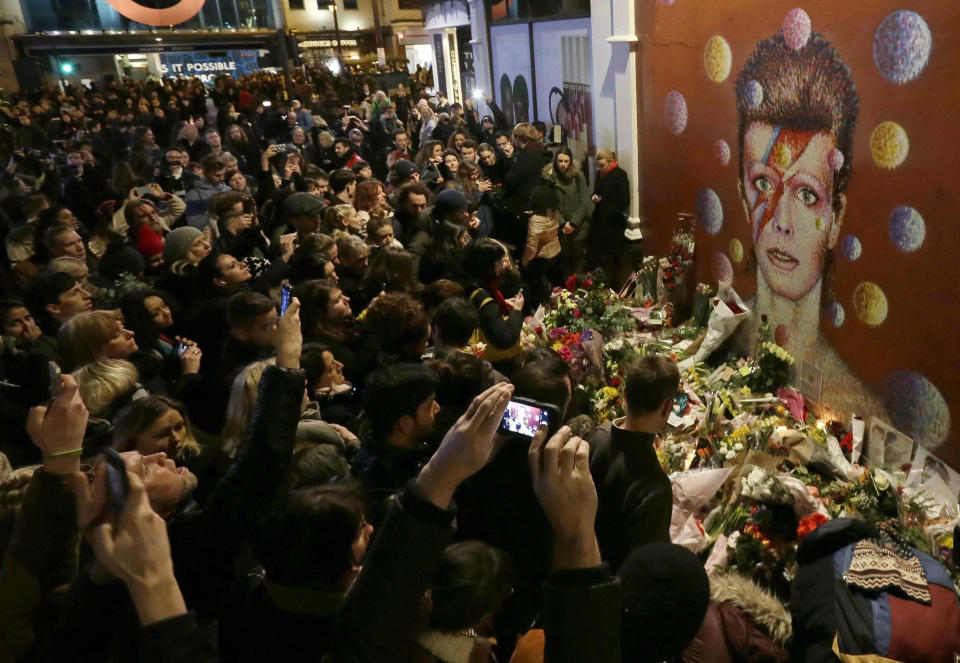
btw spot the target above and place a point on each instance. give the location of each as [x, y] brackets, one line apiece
[786, 147]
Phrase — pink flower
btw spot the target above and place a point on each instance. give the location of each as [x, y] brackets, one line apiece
[566, 353]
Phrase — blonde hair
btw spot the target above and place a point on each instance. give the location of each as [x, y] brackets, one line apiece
[524, 132]
[68, 265]
[83, 337]
[102, 382]
[334, 215]
[604, 153]
[243, 398]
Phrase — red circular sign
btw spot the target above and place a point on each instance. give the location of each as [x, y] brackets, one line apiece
[174, 13]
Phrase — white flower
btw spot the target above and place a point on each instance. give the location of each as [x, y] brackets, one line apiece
[880, 479]
[738, 447]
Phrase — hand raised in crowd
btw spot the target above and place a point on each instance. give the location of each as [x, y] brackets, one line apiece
[289, 338]
[157, 191]
[133, 547]
[265, 157]
[484, 185]
[191, 357]
[58, 429]
[564, 487]
[288, 244]
[466, 448]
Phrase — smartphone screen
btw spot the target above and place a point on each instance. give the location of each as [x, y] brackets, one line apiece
[118, 484]
[285, 291]
[523, 419]
[143, 190]
[55, 383]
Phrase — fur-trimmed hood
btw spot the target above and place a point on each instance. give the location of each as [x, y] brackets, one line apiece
[762, 607]
[548, 173]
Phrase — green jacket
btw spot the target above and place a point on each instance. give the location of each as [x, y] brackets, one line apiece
[574, 194]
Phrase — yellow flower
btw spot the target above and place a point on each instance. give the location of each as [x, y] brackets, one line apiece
[556, 346]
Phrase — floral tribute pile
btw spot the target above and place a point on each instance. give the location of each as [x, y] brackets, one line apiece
[753, 471]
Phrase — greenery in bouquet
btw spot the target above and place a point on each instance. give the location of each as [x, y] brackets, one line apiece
[675, 455]
[587, 304]
[764, 548]
[680, 259]
[773, 369]
[700, 314]
[647, 280]
[583, 350]
[604, 400]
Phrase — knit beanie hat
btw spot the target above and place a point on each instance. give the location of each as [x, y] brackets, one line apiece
[317, 465]
[119, 261]
[665, 595]
[177, 243]
[149, 241]
[449, 201]
[404, 169]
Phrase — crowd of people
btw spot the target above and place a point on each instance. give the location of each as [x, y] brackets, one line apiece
[295, 320]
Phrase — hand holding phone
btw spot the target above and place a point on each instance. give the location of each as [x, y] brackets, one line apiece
[56, 384]
[118, 484]
[524, 417]
[286, 291]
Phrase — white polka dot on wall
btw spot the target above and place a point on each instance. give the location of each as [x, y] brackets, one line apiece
[796, 28]
[709, 211]
[901, 46]
[907, 228]
[721, 151]
[675, 112]
[753, 94]
[852, 248]
[721, 268]
[917, 407]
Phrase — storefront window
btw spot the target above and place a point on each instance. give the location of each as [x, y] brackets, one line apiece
[66, 15]
[503, 10]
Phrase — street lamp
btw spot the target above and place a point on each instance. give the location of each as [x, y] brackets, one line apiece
[332, 6]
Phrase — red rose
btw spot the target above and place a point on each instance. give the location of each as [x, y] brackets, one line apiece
[577, 314]
[615, 382]
[538, 330]
[588, 283]
[571, 283]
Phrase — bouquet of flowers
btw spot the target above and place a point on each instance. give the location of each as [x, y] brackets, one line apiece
[701, 304]
[674, 266]
[582, 350]
[773, 369]
[647, 278]
[588, 306]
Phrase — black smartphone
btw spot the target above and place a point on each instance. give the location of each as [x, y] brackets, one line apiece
[524, 417]
[56, 385]
[118, 483]
[180, 348]
[286, 291]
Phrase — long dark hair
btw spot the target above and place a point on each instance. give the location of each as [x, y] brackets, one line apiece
[137, 319]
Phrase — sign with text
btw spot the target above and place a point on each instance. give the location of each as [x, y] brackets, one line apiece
[207, 66]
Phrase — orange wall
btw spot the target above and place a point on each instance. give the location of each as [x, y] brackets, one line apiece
[922, 329]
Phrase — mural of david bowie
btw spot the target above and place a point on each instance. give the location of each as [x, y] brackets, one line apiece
[793, 198]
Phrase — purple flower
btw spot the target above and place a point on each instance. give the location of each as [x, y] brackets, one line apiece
[557, 333]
